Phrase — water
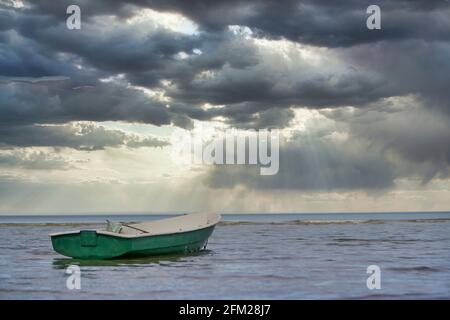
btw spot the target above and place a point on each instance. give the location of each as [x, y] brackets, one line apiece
[272, 256]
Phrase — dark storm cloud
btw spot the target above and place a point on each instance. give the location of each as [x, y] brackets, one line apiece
[6, 19]
[312, 163]
[23, 57]
[271, 118]
[29, 103]
[41, 80]
[361, 149]
[122, 49]
[91, 8]
[153, 59]
[242, 83]
[81, 137]
[146, 57]
[217, 50]
[409, 67]
[325, 23]
[245, 90]
[342, 23]
[420, 138]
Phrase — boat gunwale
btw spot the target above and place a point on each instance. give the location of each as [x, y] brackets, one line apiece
[141, 235]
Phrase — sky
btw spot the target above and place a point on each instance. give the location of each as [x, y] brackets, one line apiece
[88, 116]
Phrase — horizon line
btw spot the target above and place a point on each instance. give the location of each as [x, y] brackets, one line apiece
[101, 213]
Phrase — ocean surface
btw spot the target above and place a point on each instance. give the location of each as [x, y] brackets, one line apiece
[249, 256]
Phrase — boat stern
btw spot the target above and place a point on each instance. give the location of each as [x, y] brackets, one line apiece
[89, 244]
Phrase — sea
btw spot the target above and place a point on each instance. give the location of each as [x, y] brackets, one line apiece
[390, 255]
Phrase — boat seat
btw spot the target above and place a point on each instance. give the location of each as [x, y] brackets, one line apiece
[112, 226]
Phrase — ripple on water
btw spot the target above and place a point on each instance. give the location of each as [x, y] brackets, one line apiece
[296, 259]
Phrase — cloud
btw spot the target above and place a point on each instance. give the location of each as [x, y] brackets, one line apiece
[403, 127]
[271, 118]
[242, 71]
[28, 104]
[408, 67]
[313, 162]
[34, 160]
[79, 136]
[321, 23]
[282, 77]
[248, 64]
[348, 148]
[33, 79]
[146, 142]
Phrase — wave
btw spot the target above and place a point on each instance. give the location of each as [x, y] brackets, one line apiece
[50, 224]
[300, 222]
[325, 222]
[236, 223]
[418, 268]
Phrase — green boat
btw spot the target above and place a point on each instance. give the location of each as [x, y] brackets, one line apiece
[181, 234]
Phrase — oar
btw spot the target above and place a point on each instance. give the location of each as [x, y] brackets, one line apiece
[126, 225]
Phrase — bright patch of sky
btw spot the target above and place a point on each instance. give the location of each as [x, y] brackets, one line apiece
[171, 21]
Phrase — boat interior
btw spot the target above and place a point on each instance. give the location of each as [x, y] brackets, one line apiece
[177, 224]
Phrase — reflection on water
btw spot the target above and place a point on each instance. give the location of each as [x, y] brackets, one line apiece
[63, 263]
[260, 259]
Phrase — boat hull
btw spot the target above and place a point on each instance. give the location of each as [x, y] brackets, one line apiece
[89, 244]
